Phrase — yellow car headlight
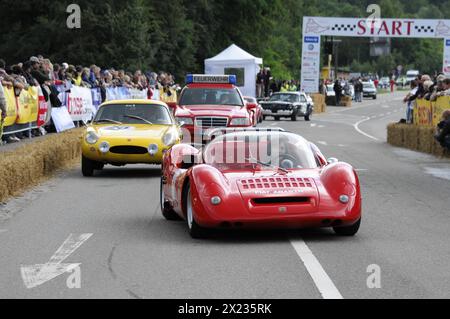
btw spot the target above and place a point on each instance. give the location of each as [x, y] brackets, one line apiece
[91, 137]
[169, 138]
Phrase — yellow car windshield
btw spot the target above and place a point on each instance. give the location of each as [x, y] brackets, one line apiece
[133, 114]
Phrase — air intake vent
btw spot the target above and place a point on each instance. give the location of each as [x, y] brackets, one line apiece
[128, 150]
[276, 183]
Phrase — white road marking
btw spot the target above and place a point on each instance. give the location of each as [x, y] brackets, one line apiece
[36, 275]
[322, 143]
[361, 170]
[274, 124]
[442, 173]
[321, 126]
[3, 231]
[322, 281]
[313, 125]
[356, 126]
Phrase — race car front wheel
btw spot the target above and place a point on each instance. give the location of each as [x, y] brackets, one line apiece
[87, 167]
[348, 230]
[196, 231]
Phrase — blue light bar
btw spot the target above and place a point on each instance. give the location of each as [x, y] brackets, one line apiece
[211, 79]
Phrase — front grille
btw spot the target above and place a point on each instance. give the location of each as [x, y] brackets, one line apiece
[276, 183]
[129, 150]
[211, 121]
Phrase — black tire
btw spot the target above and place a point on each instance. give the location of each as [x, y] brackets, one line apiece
[374, 97]
[196, 231]
[263, 118]
[348, 231]
[87, 167]
[167, 212]
[277, 118]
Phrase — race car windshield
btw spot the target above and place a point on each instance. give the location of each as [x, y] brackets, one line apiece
[133, 114]
[284, 98]
[279, 151]
[219, 97]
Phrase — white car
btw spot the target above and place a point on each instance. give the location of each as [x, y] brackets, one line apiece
[369, 90]
[411, 75]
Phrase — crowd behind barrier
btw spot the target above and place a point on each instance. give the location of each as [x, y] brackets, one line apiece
[428, 104]
[37, 95]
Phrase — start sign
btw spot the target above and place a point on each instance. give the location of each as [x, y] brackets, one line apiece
[315, 27]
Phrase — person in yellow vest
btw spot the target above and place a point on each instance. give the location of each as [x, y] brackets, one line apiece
[284, 87]
[292, 87]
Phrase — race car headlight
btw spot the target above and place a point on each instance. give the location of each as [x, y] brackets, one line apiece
[169, 139]
[344, 199]
[91, 137]
[242, 121]
[216, 200]
[185, 120]
[153, 149]
[104, 147]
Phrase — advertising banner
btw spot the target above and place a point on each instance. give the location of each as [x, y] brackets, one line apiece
[96, 98]
[79, 104]
[11, 110]
[43, 109]
[62, 119]
[423, 113]
[442, 104]
[447, 56]
[310, 64]
[27, 106]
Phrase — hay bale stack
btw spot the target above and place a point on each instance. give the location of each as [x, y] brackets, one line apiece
[396, 134]
[346, 101]
[26, 166]
[417, 138]
[319, 103]
[411, 137]
[425, 139]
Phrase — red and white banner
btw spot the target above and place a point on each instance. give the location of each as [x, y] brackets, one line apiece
[42, 109]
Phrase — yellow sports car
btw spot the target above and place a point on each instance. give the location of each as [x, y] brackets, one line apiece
[128, 132]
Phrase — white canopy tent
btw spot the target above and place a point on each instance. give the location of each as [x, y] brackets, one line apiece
[234, 60]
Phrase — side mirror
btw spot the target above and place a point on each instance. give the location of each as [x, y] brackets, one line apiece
[332, 160]
[181, 124]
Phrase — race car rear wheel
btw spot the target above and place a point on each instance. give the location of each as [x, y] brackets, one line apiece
[166, 210]
[87, 167]
[196, 231]
[348, 230]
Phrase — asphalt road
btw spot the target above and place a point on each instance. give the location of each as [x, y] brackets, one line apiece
[132, 252]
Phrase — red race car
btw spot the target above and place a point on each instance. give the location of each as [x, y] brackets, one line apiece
[255, 109]
[209, 102]
[259, 178]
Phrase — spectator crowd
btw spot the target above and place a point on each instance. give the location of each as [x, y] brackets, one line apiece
[424, 87]
[40, 71]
